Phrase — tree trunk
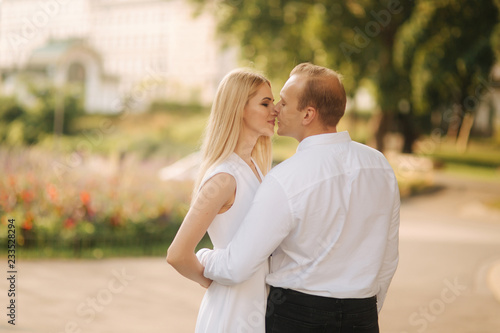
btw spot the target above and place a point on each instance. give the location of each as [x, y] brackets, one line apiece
[381, 127]
[454, 121]
[407, 128]
[464, 133]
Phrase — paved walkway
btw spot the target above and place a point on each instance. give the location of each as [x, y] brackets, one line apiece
[448, 280]
[115, 295]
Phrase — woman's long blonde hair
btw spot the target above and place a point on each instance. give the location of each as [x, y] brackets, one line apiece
[226, 121]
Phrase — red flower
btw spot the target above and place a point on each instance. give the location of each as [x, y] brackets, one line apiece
[85, 197]
[52, 192]
[27, 196]
[116, 219]
[12, 180]
[28, 222]
[89, 211]
[69, 223]
[4, 196]
[4, 201]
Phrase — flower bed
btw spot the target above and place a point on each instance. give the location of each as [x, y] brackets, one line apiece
[75, 205]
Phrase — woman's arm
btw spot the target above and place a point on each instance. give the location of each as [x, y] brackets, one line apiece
[214, 196]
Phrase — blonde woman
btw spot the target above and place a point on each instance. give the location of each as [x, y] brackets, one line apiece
[236, 154]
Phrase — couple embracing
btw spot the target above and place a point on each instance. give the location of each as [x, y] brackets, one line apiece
[316, 236]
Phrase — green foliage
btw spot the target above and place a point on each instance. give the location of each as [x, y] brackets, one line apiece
[22, 124]
[161, 134]
[446, 48]
[174, 107]
[423, 54]
[445, 43]
[479, 154]
[354, 37]
[10, 110]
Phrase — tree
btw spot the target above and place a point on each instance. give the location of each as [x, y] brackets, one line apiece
[446, 49]
[354, 37]
[357, 38]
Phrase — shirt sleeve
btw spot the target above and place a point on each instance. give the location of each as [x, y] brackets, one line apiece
[267, 223]
[391, 255]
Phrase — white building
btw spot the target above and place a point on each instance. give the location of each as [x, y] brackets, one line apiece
[122, 50]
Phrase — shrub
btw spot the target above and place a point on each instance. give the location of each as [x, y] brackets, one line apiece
[20, 124]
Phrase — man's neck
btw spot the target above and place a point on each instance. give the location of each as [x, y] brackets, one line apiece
[318, 131]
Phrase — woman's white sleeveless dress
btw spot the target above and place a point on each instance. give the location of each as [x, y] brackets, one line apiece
[240, 308]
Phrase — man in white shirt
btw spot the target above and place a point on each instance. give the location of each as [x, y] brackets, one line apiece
[329, 215]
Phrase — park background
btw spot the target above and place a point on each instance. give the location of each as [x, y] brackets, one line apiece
[102, 108]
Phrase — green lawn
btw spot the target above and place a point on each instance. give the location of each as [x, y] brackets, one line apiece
[480, 161]
[473, 172]
[110, 248]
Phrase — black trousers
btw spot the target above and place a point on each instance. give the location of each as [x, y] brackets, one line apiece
[290, 311]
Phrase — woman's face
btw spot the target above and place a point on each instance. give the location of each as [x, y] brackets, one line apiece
[259, 115]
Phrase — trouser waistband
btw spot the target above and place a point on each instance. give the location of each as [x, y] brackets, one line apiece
[278, 294]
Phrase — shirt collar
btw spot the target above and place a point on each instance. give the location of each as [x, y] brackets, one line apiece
[323, 139]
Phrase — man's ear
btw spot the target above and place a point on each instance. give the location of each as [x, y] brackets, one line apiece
[310, 114]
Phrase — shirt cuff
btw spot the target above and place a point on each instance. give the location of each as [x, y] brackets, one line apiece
[201, 255]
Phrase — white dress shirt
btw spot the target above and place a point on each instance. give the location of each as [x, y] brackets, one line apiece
[329, 215]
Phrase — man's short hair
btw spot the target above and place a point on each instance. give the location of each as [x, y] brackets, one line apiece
[323, 91]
